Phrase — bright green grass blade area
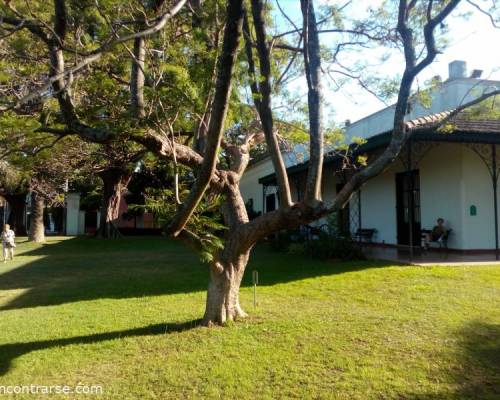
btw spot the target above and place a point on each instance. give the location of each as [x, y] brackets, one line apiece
[122, 314]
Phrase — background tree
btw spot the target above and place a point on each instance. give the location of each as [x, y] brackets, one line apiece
[115, 165]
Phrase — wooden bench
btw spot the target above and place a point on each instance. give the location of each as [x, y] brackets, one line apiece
[364, 234]
[442, 242]
[309, 232]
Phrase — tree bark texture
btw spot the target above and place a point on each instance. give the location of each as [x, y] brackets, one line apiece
[37, 228]
[223, 301]
[312, 63]
[115, 182]
[262, 96]
[137, 78]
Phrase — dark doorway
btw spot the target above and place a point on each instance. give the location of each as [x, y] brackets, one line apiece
[270, 202]
[90, 222]
[407, 199]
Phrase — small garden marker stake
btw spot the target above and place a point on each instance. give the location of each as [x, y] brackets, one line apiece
[255, 281]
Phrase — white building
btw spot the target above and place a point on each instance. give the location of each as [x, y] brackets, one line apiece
[449, 175]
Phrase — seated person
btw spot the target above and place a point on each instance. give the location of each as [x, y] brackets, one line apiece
[438, 233]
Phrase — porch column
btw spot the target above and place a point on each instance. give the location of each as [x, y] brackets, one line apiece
[494, 177]
[359, 213]
[410, 199]
[72, 213]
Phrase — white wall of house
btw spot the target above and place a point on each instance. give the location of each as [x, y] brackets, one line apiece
[478, 230]
[329, 184]
[452, 179]
[378, 205]
[442, 190]
[250, 186]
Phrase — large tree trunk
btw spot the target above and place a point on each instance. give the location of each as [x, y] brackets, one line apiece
[223, 301]
[37, 228]
[115, 182]
[17, 203]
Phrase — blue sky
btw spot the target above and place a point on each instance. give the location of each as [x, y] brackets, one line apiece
[472, 39]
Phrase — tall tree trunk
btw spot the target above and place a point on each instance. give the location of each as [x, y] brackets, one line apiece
[223, 301]
[137, 78]
[17, 203]
[312, 64]
[37, 228]
[115, 182]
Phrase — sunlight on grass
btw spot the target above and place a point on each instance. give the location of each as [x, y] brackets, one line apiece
[123, 314]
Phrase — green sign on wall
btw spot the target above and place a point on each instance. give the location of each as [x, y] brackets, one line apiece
[473, 210]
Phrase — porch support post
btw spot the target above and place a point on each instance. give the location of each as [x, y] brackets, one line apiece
[410, 199]
[264, 187]
[359, 213]
[494, 177]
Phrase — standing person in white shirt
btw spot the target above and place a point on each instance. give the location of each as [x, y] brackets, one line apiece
[8, 242]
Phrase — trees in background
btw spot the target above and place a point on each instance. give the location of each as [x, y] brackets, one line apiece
[171, 80]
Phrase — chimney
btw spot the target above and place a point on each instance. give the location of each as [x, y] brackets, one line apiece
[457, 69]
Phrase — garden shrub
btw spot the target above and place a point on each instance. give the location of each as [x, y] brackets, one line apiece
[334, 247]
[280, 241]
[326, 246]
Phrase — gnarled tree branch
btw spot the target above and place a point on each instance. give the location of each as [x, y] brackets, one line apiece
[262, 97]
[232, 33]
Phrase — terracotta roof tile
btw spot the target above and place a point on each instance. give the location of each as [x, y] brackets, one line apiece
[461, 122]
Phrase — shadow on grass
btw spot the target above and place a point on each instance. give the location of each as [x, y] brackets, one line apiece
[477, 376]
[86, 269]
[9, 352]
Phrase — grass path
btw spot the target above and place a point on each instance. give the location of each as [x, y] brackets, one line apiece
[122, 314]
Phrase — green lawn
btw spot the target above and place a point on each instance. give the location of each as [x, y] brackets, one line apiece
[123, 314]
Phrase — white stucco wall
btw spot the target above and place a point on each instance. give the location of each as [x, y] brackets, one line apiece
[452, 178]
[249, 184]
[329, 184]
[479, 230]
[442, 190]
[378, 205]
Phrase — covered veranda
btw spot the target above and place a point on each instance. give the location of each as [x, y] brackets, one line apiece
[480, 137]
[444, 258]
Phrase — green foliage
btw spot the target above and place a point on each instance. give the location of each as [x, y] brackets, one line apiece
[488, 109]
[206, 222]
[12, 124]
[281, 241]
[362, 160]
[91, 200]
[328, 247]
[322, 245]
[297, 248]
